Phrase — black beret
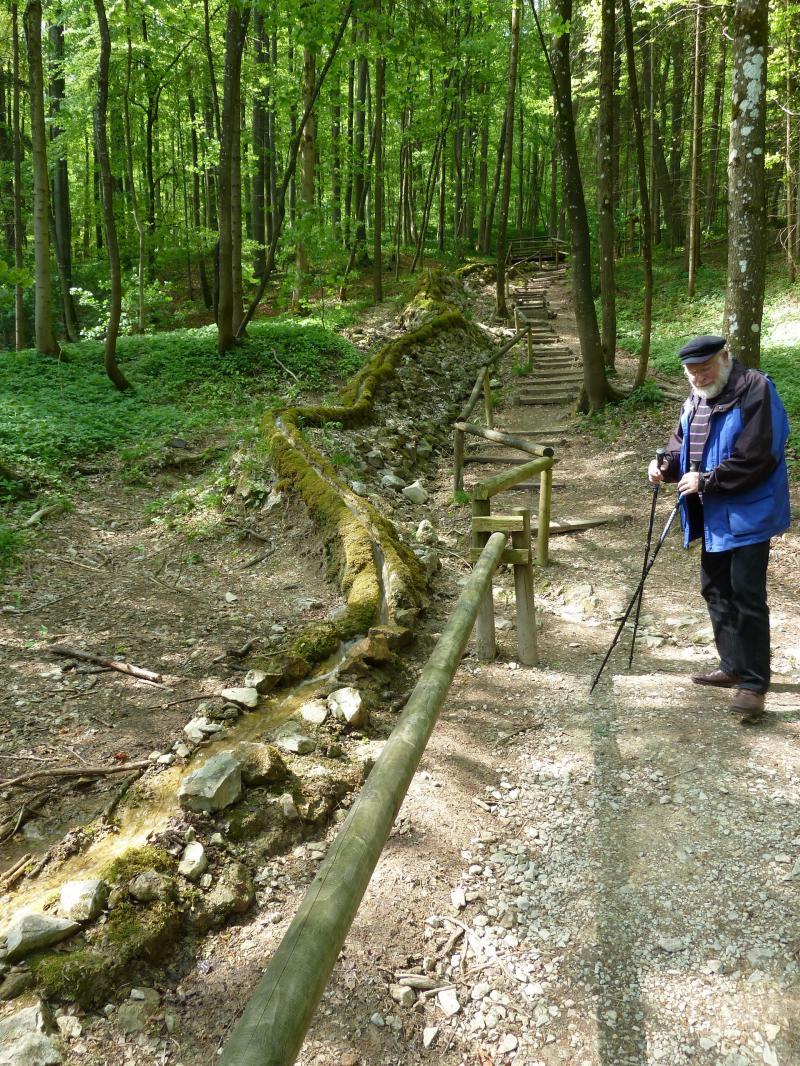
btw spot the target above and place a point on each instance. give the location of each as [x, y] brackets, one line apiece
[700, 349]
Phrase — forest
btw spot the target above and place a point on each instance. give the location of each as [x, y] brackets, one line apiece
[165, 165]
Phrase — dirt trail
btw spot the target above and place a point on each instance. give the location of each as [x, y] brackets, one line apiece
[602, 880]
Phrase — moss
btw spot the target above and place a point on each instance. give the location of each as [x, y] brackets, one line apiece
[136, 861]
[131, 933]
[316, 642]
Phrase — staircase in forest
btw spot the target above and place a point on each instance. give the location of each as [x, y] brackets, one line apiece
[554, 374]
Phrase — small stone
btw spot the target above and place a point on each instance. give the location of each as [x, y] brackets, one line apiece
[167, 759]
[182, 751]
[261, 764]
[215, 785]
[69, 1026]
[426, 534]
[507, 1044]
[392, 481]
[771, 1032]
[671, 944]
[458, 899]
[194, 861]
[133, 1015]
[415, 493]
[403, 995]
[259, 680]
[346, 704]
[448, 1001]
[349, 1058]
[15, 984]
[290, 739]
[231, 597]
[201, 727]
[359, 488]
[315, 712]
[377, 1019]
[150, 885]
[429, 1034]
[245, 697]
[289, 807]
[29, 932]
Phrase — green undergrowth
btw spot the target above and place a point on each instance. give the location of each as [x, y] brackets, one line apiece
[676, 319]
[55, 413]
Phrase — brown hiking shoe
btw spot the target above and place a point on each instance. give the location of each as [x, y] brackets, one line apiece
[717, 678]
[749, 704]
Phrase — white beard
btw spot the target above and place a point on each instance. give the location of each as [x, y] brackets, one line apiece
[716, 387]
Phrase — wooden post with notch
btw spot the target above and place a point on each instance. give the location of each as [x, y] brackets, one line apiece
[458, 460]
[523, 587]
[545, 498]
[487, 399]
[485, 643]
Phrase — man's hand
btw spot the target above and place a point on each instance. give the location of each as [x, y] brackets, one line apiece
[655, 472]
[689, 483]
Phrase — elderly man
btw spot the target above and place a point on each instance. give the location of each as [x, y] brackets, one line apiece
[727, 456]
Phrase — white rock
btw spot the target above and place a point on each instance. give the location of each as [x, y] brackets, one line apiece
[458, 899]
[403, 995]
[671, 944]
[415, 492]
[150, 885]
[199, 728]
[256, 679]
[347, 705]
[69, 1026]
[215, 785]
[425, 533]
[291, 739]
[82, 900]
[28, 932]
[231, 597]
[507, 1044]
[25, 1038]
[392, 481]
[314, 711]
[194, 861]
[448, 1001]
[359, 488]
[429, 1034]
[244, 697]
[289, 807]
[377, 1019]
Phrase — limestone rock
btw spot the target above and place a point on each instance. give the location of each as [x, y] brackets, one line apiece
[15, 984]
[150, 885]
[347, 705]
[289, 808]
[260, 680]
[244, 697]
[194, 861]
[133, 1015]
[261, 764]
[448, 1001]
[201, 727]
[396, 636]
[315, 712]
[392, 481]
[425, 533]
[26, 1038]
[234, 893]
[415, 493]
[82, 900]
[403, 995]
[215, 785]
[28, 932]
[292, 739]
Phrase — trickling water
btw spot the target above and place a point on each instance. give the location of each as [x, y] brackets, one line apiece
[156, 796]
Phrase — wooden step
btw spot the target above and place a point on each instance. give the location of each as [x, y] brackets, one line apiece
[535, 400]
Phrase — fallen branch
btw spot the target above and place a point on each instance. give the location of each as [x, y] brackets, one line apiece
[43, 512]
[75, 771]
[116, 799]
[10, 876]
[283, 366]
[111, 664]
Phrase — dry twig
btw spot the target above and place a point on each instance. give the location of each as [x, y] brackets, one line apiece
[74, 771]
[110, 664]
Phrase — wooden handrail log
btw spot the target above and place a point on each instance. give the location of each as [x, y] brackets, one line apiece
[274, 1023]
[504, 438]
[509, 478]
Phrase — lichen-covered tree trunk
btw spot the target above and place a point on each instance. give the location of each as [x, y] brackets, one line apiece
[605, 183]
[19, 306]
[62, 218]
[698, 98]
[45, 337]
[747, 237]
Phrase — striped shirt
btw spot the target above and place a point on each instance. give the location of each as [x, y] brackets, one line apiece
[698, 431]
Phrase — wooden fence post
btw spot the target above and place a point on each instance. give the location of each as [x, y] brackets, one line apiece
[530, 351]
[485, 643]
[487, 399]
[545, 497]
[523, 587]
[458, 460]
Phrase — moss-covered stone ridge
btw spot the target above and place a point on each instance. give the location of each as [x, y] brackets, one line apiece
[376, 571]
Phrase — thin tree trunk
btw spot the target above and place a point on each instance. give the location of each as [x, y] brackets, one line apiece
[747, 236]
[644, 198]
[676, 138]
[789, 175]
[19, 233]
[45, 337]
[205, 288]
[712, 185]
[107, 186]
[260, 107]
[377, 242]
[500, 289]
[697, 141]
[605, 183]
[308, 147]
[137, 217]
[62, 220]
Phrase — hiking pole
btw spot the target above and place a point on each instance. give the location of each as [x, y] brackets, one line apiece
[660, 453]
[640, 586]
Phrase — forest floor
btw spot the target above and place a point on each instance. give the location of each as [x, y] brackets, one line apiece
[602, 879]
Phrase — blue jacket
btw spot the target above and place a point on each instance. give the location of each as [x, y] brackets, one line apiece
[746, 493]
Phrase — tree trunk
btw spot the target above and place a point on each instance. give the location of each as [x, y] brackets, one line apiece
[716, 135]
[697, 142]
[483, 178]
[676, 236]
[308, 147]
[259, 135]
[45, 337]
[595, 390]
[107, 196]
[19, 233]
[359, 178]
[62, 219]
[747, 236]
[227, 319]
[644, 199]
[605, 183]
[197, 217]
[377, 234]
[500, 290]
[137, 216]
[336, 148]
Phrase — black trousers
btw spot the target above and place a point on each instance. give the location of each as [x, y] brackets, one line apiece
[734, 586]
